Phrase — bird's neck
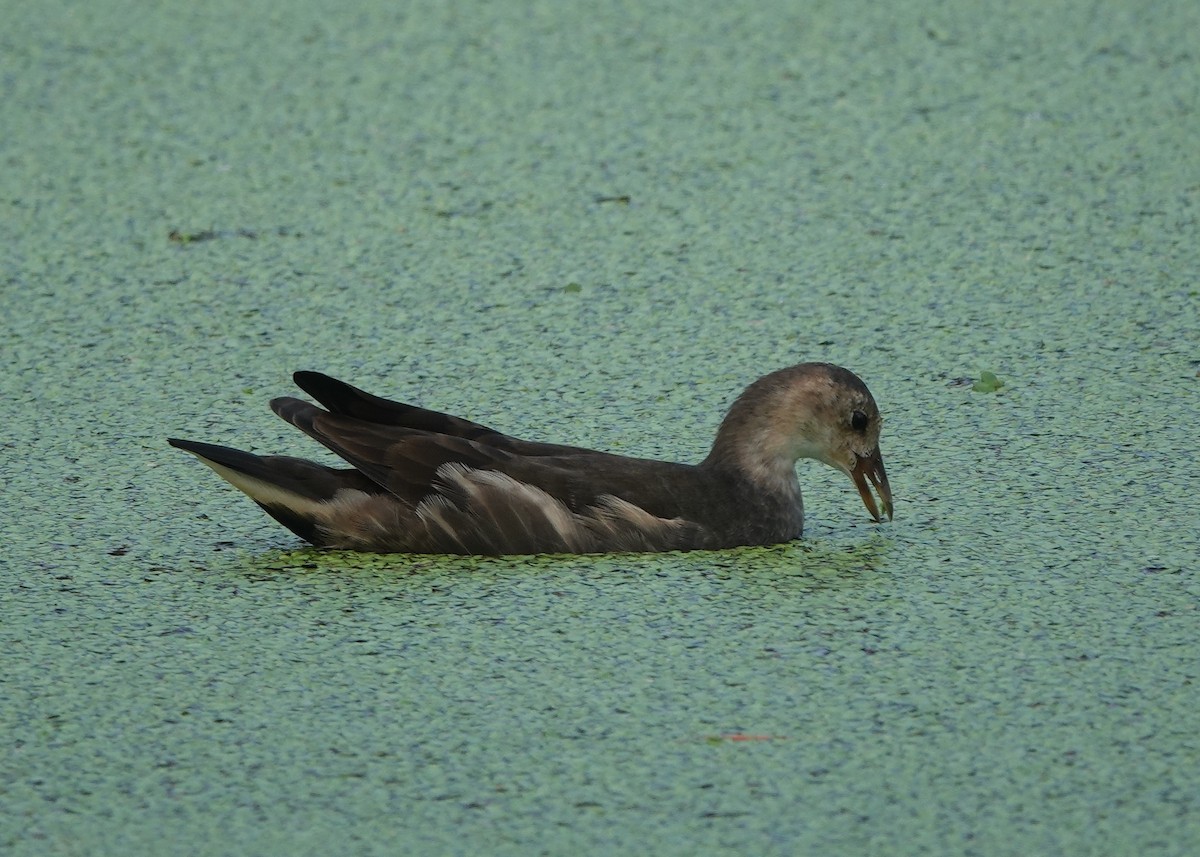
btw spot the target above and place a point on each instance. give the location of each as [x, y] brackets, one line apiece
[755, 451]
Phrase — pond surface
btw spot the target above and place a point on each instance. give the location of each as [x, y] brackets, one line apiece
[595, 227]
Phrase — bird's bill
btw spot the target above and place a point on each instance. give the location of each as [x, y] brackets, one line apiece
[870, 468]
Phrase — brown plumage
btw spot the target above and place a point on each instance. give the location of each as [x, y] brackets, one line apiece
[426, 482]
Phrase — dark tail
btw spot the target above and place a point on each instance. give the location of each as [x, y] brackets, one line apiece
[290, 490]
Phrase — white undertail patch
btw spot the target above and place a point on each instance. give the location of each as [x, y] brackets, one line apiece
[267, 493]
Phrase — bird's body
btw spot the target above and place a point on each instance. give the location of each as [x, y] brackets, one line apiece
[427, 482]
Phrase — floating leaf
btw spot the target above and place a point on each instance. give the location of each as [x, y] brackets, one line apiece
[987, 383]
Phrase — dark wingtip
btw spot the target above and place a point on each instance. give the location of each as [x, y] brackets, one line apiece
[325, 388]
[306, 378]
[346, 399]
[296, 411]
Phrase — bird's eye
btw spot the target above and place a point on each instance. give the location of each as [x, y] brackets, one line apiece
[858, 421]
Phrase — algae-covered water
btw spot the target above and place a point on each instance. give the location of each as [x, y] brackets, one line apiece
[594, 224]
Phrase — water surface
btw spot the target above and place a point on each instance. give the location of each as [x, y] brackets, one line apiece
[596, 225]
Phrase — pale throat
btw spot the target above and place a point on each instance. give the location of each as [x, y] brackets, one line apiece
[769, 460]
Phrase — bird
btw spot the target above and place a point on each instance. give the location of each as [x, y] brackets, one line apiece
[425, 482]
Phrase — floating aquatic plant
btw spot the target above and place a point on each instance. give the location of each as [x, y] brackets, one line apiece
[987, 383]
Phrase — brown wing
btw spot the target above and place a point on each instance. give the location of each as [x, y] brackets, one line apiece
[409, 451]
[472, 511]
[403, 461]
[343, 399]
